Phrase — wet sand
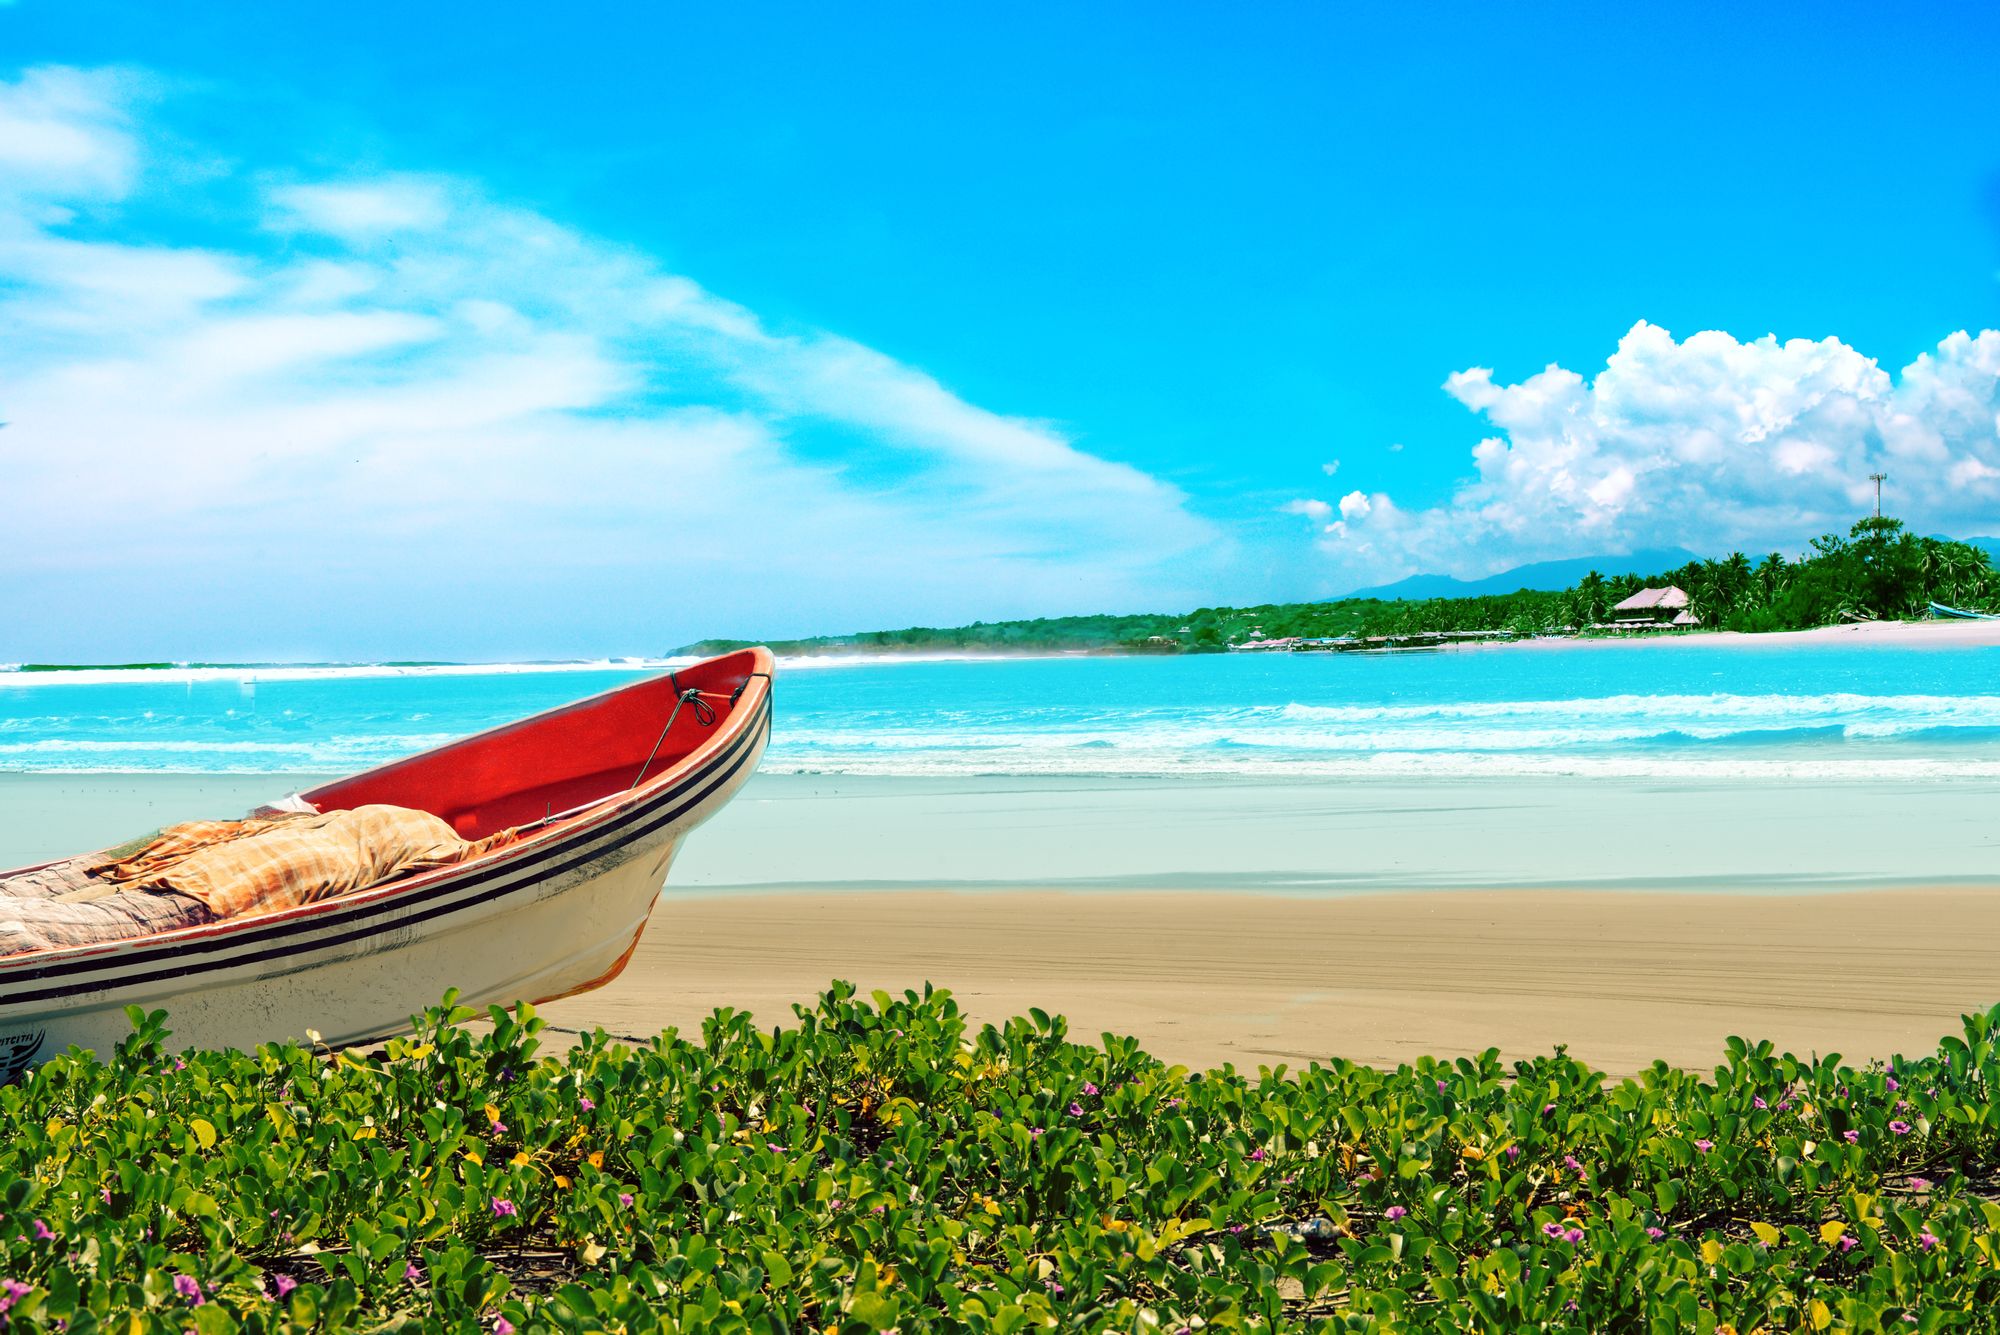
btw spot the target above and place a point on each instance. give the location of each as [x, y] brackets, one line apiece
[1201, 978]
[1350, 926]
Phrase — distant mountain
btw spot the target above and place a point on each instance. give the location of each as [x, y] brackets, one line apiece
[1991, 546]
[1537, 575]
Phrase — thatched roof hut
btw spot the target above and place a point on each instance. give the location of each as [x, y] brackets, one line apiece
[1652, 604]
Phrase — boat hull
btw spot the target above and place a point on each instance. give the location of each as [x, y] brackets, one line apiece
[560, 916]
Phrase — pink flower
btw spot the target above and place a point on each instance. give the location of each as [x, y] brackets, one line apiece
[286, 1284]
[43, 1233]
[180, 1065]
[586, 1105]
[499, 1128]
[1928, 1239]
[1173, 1103]
[1704, 1145]
[1569, 1161]
[625, 1199]
[413, 1275]
[105, 1192]
[1655, 1233]
[1440, 1086]
[1574, 1236]
[1076, 1110]
[15, 1291]
[1034, 1133]
[502, 1326]
[1848, 1242]
[188, 1289]
[1552, 1230]
[1851, 1137]
[1394, 1212]
[1759, 1104]
[1548, 1108]
[1257, 1155]
[1921, 1183]
[1900, 1127]
[1089, 1089]
[1893, 1086]
[1513, 1151]
[502, 1208]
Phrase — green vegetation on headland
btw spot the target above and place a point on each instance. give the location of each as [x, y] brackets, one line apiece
[155, 667]
[887, 1165]
[1879, 571]
[81, 667]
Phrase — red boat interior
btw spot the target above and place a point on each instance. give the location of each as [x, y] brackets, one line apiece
[555, 762]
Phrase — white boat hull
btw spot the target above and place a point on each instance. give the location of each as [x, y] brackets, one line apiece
[559, 917]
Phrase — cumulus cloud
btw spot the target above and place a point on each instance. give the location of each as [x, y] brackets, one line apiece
[1317, 511]
[1708, 442]
[394, 415]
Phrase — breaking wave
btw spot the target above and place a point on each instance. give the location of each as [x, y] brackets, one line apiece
[1788, 714]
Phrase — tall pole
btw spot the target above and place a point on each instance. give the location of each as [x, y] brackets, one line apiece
[1878, 479]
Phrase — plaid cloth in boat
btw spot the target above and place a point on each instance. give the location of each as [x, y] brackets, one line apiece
[58, 880]
[262, 866]
[31, 922]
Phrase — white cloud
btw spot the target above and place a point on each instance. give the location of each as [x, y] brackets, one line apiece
[396, 417]
[62, 132]
[1317, 511]
[364, 209]
[1330, 468]
[1708, 442]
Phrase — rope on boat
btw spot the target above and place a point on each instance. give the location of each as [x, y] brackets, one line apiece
[689, 696]
[704, 712]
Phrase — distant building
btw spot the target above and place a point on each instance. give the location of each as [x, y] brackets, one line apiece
[1654, 609]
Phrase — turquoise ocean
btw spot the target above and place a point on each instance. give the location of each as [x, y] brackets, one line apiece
[1654, 711]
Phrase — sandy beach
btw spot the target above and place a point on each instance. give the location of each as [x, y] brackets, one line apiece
[1263, 923]
[1930, 633]
[1206, 978]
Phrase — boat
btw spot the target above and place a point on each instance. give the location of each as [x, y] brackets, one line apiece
[1940, 610]
[603, 791]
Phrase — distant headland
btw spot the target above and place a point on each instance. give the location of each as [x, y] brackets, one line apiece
[1878, 571]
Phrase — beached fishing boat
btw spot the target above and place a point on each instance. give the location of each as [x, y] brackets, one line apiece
[602, 791]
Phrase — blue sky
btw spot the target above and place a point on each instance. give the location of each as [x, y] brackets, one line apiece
[486, 331]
